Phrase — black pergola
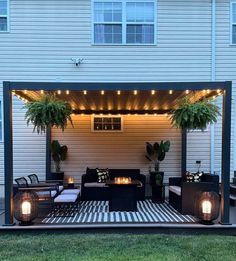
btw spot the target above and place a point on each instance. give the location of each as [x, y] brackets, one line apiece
[225, 87]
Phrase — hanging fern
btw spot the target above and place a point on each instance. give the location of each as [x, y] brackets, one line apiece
[48, 112]
[191, 116]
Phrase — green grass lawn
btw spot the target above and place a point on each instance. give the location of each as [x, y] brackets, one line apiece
[115, 247]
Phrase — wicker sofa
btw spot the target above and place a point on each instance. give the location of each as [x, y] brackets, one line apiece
[182, 194]
[92, 190]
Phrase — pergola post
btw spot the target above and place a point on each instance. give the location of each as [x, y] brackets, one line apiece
[8, 154]
[183, 152]
[48, 154]
[225, 156]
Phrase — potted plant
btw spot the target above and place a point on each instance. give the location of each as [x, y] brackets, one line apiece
[156, 153]
[59, 154]
[192, 116]
[46, 112]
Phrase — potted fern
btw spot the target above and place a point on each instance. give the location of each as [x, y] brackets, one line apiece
[59, 154]
[156, 153]
[46, 112]
[192, 116]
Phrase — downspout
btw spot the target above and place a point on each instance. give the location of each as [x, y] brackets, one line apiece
[213, 78]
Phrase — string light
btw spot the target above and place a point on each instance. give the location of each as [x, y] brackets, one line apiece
[187, 91]
[218, 91]
[59, 92]
[67, 92]
[208, 91]
[152, 92]
[204, 91]
[135, 92]
[85, 92]
[170, 91]
[102, 92]
[25, 91]
[118, 92]
[42, 91]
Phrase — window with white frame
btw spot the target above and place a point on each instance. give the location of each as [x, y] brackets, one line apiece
[1, 123]
[233, 22]
[123, 22]
[4, 15]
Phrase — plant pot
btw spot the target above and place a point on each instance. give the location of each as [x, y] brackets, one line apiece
[57, 176]
[158, 194]
[153, 177]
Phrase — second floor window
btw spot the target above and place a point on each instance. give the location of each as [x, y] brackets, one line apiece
[3, 15]
[233, 23]
[123, 22]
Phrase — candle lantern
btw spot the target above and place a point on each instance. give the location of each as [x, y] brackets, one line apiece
[207, 207]
[70, 183]
[26, 207]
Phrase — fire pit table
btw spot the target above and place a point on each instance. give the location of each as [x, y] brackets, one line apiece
[123, 194]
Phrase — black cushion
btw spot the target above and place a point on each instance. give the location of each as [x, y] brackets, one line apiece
[103, 175]
[92, 175]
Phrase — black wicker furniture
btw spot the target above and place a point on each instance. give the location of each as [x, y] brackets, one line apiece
[44, 191]
[35, 181]
[182, 194]
[91, 189]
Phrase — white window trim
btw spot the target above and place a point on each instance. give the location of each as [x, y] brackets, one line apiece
[231, 22]
[123, 23]
[1, 120]
[107, 116]
[8, 18]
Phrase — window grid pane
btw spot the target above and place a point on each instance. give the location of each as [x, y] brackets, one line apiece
[3, 7]
[139, 34]
[234, 34]
[107, 12]
[140, 12]
[107, 33]
[3, 24]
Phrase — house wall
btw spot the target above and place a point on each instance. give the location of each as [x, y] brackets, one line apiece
[44, 36]
[28, 148]
[225, 70]
[123, 149]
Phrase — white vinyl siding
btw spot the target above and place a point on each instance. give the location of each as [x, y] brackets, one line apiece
[4, 15]
[225, 70]
[233, 22]
[1, 121]
[121, 149]
[46, 34]
[123, 22]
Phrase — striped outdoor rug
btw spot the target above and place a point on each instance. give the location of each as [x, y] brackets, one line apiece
[98, 212]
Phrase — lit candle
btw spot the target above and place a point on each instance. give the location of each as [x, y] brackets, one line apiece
[206, 207]
[70, 180]
[26, 208]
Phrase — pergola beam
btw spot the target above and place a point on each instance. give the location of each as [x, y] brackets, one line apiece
[72, 86]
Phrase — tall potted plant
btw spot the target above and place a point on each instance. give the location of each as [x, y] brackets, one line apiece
[156, 153]
[59, 154]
